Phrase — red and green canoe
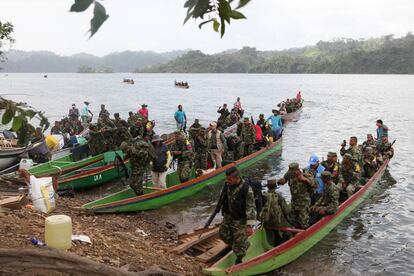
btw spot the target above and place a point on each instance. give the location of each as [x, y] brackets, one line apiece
[95, 174]
[262, 257]
[127, 201]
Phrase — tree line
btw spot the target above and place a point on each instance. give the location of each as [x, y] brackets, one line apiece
[384, 55]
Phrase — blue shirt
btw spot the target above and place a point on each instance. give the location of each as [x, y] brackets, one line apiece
[382, 131]
[318, 178]
[85, 111]
[276, 122]
[179, 116]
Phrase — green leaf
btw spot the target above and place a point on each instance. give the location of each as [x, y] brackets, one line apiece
[7, 117]
[17, 123]
[205, 22]
[237, 15]
[216, 26]
[188, 17]
[99, 17]
[224, 10]
[223, 27]
[242, 3]
[190, 3]
[80, 5]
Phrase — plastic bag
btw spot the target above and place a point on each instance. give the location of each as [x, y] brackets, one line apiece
[42, 194]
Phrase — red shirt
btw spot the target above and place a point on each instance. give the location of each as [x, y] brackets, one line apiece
[144, 112]
[259, 133]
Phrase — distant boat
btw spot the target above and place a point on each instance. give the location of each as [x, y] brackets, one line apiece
[130, 81]
[181, 84]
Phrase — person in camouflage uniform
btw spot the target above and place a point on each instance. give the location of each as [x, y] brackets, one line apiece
[103, 112]
[349, 175]
[95, 142]
[121, 133]
[235, 148]
[275, 213]
[108, 130]
[332, 165]
[200, 149]
[194, 129]
[385, 149]
[328, 203]
[370, 142]
[301, 189]
[370, 165]
[247, 134]
[354, 149]
[239, 213]
[181, 150]
[222, 121]
[140, 154]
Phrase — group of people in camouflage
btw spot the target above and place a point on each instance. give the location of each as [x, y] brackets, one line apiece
[316, 191]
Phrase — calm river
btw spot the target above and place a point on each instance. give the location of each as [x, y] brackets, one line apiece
[377, 239]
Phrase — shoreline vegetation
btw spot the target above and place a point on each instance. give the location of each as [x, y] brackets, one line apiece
[383, 55]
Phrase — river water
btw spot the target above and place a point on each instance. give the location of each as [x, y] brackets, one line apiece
[377, 239]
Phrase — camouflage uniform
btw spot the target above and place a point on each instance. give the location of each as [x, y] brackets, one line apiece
[329, 199]
[275, 211]
[193, 130]
[200, 150]
[247, 134]
[239, 210]
[370, 164]
[184, 159]
[355, 152]
[234, 148]
[121, 133]
[96, 142]
[349, 178]
[301, 197]
[385, 150]
[333, 168]
[140, 154]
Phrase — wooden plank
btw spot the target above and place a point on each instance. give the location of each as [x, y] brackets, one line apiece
[213, 252]
[195, 240]
[13, 202]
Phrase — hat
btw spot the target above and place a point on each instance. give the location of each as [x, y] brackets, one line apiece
[313, 160]
[73, 104]
[246, 119]
[144, 105]
[87, 103]
[326, 174]
[232, 171]
[331, 153]
[123, 146]
[368, 148]
[347, 155]
[293, 166]
[156, 138]
[213, 124]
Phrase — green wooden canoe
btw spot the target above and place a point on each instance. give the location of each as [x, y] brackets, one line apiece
[262, 257]
[96, 174]
[63, 165]
[126, 201]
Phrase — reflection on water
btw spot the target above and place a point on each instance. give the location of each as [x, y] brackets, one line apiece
[374, 240]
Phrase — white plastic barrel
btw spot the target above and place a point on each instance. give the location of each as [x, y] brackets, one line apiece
[58, 232]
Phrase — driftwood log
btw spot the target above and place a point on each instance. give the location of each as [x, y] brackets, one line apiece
[53, 260]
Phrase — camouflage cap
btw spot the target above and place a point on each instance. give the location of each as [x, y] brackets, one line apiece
[246, 119]
[331, 153]
[348, 155]
[326, 174]
[368, 148]
[123, 146]
[271, 183]
[293, 166]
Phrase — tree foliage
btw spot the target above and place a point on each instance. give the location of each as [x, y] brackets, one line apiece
[6, 38]
[20, 115]
[385, 55]
[218, 13]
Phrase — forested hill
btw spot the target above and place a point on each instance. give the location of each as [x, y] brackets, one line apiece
[385, 55]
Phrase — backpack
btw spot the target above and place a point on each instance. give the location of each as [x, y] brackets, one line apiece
[258, 195]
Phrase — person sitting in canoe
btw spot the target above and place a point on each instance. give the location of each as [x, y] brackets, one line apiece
[301, 188]
[275, 214]
[328, 203]
[385, 149]
[239, 213]
[349, 176]
[332, 165]
[370, 164]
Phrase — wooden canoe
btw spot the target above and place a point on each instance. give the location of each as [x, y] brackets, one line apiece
[95, 174]
[262, 257]
[292, 116]
[126, 201]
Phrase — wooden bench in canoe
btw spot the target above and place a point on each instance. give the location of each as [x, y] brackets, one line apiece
[262, 257]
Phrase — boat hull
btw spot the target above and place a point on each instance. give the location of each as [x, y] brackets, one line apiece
[125, 201]
[293, 116]
[275, 257]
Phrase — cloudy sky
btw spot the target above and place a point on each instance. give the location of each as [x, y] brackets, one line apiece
[157, 25]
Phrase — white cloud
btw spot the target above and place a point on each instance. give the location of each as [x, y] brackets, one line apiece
[157, 25]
